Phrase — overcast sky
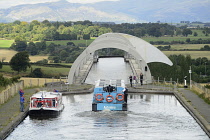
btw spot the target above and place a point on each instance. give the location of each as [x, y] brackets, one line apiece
[8, 3]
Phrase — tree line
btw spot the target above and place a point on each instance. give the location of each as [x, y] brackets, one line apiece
[168, 48]
[181, 65]
[57, 53]
[49, 31]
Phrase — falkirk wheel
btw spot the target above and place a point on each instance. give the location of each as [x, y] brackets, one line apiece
[136, 49]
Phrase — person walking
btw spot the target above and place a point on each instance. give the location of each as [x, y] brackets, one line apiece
[22, 100]
[130, 77]
[134, 80]
[141, 79]
[21, 92]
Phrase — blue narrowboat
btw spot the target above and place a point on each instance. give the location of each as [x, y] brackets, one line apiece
[110, 95]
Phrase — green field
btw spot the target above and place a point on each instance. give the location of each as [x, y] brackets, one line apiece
[6, 43]
[76, 42]
[193, 54]
[48, 70]
[175, 38]
[185, 46]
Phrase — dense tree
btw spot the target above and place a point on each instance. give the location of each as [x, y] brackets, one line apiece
[17, 22]
[180, 68]
[20, 62]
[154, 31]
[4, 81]
[86, 36]
[63, 55]
[46, 23]
[188, 40]
[70, 43]
[50, 48]
[19, 46]
[32, 49]
[186, 32]
[41, 45]
[37, 73]
[195, 34]
[1, 65]
[56, 59]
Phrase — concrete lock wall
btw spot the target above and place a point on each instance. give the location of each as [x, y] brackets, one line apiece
[10, 91]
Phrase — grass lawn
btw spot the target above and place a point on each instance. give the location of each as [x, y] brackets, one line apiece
[6, 43]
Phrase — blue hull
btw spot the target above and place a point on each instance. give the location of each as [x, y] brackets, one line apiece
[109, 95]
[108, 106]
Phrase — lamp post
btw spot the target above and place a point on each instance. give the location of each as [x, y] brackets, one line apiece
[190, 71]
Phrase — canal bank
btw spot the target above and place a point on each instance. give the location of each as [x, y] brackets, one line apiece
[193, 104]
[196, 106]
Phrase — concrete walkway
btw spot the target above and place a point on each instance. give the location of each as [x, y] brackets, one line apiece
[199, 104]
[10, 116]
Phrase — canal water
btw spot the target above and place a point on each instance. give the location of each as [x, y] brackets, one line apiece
[149, 117]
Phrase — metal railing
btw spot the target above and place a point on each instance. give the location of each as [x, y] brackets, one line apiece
[158, 85]
[201, 89]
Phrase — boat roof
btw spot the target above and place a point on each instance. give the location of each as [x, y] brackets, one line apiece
[113, 82]
[46, 94]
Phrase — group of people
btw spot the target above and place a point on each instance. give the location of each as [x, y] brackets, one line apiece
[133, 79]
[22, 100]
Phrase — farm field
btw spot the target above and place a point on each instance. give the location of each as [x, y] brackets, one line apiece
[46, 70]
[185, 46]
[29, 82]
[193, 54]
[8, 54]
[5, 43]
[175, 38]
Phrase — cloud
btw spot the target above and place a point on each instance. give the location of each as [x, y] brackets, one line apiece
[9, 3]
[88, 1]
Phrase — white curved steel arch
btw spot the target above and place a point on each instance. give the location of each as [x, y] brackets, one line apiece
[138, 48]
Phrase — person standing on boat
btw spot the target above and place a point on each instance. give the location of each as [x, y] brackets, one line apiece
[131, 79]
[55, 90]
[125, 90]
[22, 100]
[141, 79]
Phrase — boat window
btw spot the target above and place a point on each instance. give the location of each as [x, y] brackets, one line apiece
[53, 102]
[39, 102]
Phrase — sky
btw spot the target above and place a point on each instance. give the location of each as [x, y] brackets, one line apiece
[140, 10]
[8, 3]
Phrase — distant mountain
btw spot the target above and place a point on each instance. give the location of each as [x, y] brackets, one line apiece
[111, 11]
[60, 11]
